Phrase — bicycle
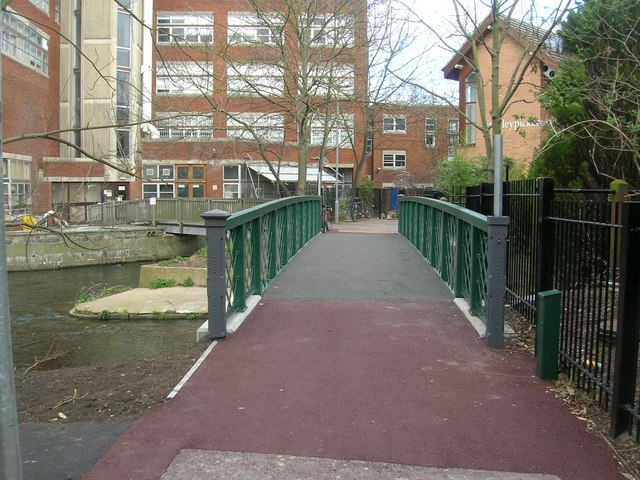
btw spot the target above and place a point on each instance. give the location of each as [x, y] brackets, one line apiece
[325, 218]
[359, 210]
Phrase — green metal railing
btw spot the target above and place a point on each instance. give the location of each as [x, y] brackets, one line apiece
[467, 250]
[454, 242]
[254, 246]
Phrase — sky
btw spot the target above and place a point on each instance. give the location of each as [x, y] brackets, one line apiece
[440, 15]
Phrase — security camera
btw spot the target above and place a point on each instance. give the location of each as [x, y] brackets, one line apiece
[548, 72]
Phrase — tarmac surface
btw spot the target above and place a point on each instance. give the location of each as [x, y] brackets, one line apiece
[356, 364]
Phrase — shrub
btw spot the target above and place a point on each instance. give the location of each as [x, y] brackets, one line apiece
[162, 283]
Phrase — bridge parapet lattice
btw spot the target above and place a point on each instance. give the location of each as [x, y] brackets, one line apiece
[467, 250]
[248, 249]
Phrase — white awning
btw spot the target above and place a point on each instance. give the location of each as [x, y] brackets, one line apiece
[290, 174]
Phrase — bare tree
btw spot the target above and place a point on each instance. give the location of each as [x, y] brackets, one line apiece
[477, 45]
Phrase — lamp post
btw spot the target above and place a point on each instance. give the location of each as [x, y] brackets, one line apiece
[337, 202]
[10, 462]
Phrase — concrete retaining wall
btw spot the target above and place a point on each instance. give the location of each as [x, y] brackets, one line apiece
[95, 246]
[148, 273]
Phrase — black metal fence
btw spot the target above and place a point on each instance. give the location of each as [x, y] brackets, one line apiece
[586, 244]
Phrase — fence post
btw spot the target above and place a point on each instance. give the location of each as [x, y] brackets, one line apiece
[486, 198]
[496, 280]
[548, 334]
[215, 222]
[620, 191]
[544, 247]
[624, 380]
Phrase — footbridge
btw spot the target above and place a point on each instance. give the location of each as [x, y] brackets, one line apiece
[248, 249]
[354, 362]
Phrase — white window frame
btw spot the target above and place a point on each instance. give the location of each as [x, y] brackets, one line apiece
[329, 31]
[394, 124]
[345, 127]
[193, 28]
[337, 79]
[158, 190]
[470, 98]
[255, 80]
[268, 127]
[42, 5]
[152, 171]
[430, 127]
[394, 159]
[181, 126]
[25, 43]
[231, 187]
[246, 28]
[183, 78]
[453, 137]
[16, 179]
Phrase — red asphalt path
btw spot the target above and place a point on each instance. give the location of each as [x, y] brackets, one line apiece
[399, 382]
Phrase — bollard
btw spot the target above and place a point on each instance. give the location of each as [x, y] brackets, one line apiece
[548, 335]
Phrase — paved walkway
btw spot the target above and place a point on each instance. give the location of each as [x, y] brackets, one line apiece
[356, 364]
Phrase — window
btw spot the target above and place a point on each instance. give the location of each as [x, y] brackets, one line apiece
[16, 179]
[158, 172]
[77, 79]
[42, 5]
[327, 30]
[344, 127]
[157, 190]
[185, 28]
[430, 132]
[123, 84]
[268, 127]
[470, 92]
[394, 159]
[452, 138]
[190, 172]
[123, 143]
[394, 124]
[339, 79]
[183, 78]
[232, 178]
[255, 80]
[25, 43]
[177, 126]
[249, 28]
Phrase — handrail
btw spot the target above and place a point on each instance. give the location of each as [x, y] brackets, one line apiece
[248, 249]
[164, 209]
[467, 250]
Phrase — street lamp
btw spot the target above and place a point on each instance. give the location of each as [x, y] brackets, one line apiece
[337, 203]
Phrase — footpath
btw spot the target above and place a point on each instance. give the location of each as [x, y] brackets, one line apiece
[356, 364]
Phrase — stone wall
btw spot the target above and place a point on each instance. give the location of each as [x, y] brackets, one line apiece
[95, 246]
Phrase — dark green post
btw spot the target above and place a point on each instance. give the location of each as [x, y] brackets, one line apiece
[216, 224]
[548, 336]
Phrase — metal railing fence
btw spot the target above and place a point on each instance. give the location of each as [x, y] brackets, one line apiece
[248, 249]
[164, 209]
[464, 249]
[584, 268]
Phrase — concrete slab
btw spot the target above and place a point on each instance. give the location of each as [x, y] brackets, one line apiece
[144, 302]
[213, 465]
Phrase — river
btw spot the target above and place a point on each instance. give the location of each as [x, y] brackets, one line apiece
[40, 322]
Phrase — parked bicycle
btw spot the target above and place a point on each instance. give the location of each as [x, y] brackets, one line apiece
[325, 218]
[359, 209]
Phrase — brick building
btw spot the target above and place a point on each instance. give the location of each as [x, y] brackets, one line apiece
[523, 120]
[408, 143]
[242, 90]
[198, 98]
[30, 87]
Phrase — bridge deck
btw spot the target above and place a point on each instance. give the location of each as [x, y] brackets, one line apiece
[357, 353]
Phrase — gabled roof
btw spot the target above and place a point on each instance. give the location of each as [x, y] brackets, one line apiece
[524, 33]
